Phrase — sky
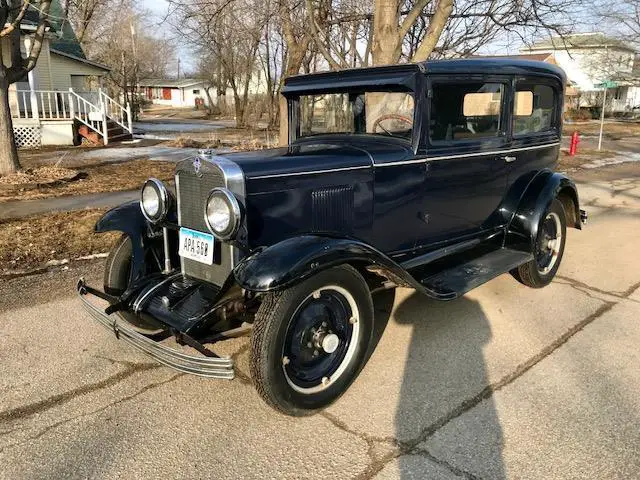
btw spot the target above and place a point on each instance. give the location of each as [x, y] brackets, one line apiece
[159, 10]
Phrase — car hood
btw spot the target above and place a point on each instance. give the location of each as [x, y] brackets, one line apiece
[319, 154]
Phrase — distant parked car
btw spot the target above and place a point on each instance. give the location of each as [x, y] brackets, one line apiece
[435, 176]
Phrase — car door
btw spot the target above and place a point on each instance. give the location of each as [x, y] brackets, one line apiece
[536, 124]
[466, 168]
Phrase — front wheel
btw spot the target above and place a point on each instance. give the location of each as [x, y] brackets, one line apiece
[549, 248]
[310, 342]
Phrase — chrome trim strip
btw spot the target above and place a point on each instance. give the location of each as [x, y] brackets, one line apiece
[210, 367]
[139, 302]
[408, 162]
[331, 170]
[463, 155]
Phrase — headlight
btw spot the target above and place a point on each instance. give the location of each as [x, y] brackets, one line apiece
[222, 213]
[154, 200]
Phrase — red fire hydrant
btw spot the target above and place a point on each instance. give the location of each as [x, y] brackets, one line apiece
[573, 147]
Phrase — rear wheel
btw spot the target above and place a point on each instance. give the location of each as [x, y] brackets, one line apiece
[117, 272]
[549, 248]
[310, 342]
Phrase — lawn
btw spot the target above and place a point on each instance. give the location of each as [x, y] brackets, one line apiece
[31, 242]
[613, 130]
[45, 182]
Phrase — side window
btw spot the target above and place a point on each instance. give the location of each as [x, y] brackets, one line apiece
[533, 108]
[465, 111]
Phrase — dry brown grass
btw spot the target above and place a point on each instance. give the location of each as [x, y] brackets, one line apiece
[31, 242]
[612, 130]
[188, 142]
[40, 175]
[583, 156]
[110, 177]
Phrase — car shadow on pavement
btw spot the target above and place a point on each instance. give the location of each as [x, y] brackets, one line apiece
[445, 367]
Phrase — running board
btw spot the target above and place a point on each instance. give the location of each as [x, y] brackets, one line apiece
[204, 366]
[457, 281]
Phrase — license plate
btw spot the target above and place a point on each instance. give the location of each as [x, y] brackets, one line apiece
[196, 246]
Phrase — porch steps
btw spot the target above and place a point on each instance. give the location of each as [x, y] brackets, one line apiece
[116, 134]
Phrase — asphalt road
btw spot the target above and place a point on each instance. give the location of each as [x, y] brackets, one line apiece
[506, 382]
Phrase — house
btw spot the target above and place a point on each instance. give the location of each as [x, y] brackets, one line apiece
[186, 92]
[61, 97]
[594, 61]
[571, 92]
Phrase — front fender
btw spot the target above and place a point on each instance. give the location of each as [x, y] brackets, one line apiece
[523, 227]
[128, 219]
[295, 259]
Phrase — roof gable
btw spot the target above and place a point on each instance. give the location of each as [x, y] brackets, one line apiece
[580, 40]
[63, 38]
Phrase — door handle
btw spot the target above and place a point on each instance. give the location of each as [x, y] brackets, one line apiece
[509, 158]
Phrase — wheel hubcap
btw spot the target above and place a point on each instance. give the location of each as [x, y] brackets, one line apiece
[321, 339]
[549, 243]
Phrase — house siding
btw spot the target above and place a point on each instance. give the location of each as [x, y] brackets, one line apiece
[42, 72]
[63, 68]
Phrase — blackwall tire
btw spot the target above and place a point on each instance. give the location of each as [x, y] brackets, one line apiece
[534, 274]
[286, 381]
[116, 280]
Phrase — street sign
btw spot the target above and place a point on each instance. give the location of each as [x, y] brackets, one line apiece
[606, 84]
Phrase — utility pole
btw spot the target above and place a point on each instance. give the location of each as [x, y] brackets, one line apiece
[604, 104]
[178, 68]
[136, 80]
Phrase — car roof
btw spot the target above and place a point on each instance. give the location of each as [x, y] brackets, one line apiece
[403, 74]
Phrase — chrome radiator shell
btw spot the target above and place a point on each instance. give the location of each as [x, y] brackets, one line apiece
[195, 178]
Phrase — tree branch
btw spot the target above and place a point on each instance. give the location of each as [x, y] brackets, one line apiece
[436, 25]
[11, 27]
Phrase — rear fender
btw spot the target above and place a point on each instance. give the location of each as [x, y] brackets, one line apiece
[296, 259]
[128, 219]
[541, 191]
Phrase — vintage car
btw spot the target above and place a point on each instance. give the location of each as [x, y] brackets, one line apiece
[436, 176]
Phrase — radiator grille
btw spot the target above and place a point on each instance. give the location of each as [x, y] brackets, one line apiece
[332, 209]
[192, 193]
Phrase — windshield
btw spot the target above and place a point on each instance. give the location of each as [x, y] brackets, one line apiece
[380, 113]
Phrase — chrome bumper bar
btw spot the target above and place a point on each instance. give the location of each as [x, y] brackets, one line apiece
[210, 367]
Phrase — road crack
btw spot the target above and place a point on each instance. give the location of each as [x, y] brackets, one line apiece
[413, 446]
[93, 412]
[27, 411]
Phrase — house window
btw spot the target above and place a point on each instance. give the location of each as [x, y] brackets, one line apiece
[196, 92]
[533, 109]
[465, 111]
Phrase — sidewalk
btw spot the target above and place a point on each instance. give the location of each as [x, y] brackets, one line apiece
[24, 208]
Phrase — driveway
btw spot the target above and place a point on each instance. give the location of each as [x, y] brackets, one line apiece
[506, 382]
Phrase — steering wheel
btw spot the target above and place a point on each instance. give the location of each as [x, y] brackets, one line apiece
[391, 116]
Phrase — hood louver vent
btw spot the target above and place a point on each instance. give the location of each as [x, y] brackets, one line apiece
[332, 209]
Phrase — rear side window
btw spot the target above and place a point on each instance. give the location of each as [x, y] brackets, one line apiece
[534, 108]
[465, 111]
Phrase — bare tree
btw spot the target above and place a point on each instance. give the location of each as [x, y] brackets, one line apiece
[132, 51]
[228, 31]
[16, 67]
[622, 18]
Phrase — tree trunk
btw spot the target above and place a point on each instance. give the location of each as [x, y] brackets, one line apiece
[9, 162]
[436, 25]
[385, 32]
[296, 53]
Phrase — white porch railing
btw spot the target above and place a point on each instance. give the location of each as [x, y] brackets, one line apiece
[94, 109]
[116, 112]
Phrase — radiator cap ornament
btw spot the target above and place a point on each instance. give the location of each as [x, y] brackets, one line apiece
[197, 166]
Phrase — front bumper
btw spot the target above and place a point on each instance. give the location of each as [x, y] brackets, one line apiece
[210, 367]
